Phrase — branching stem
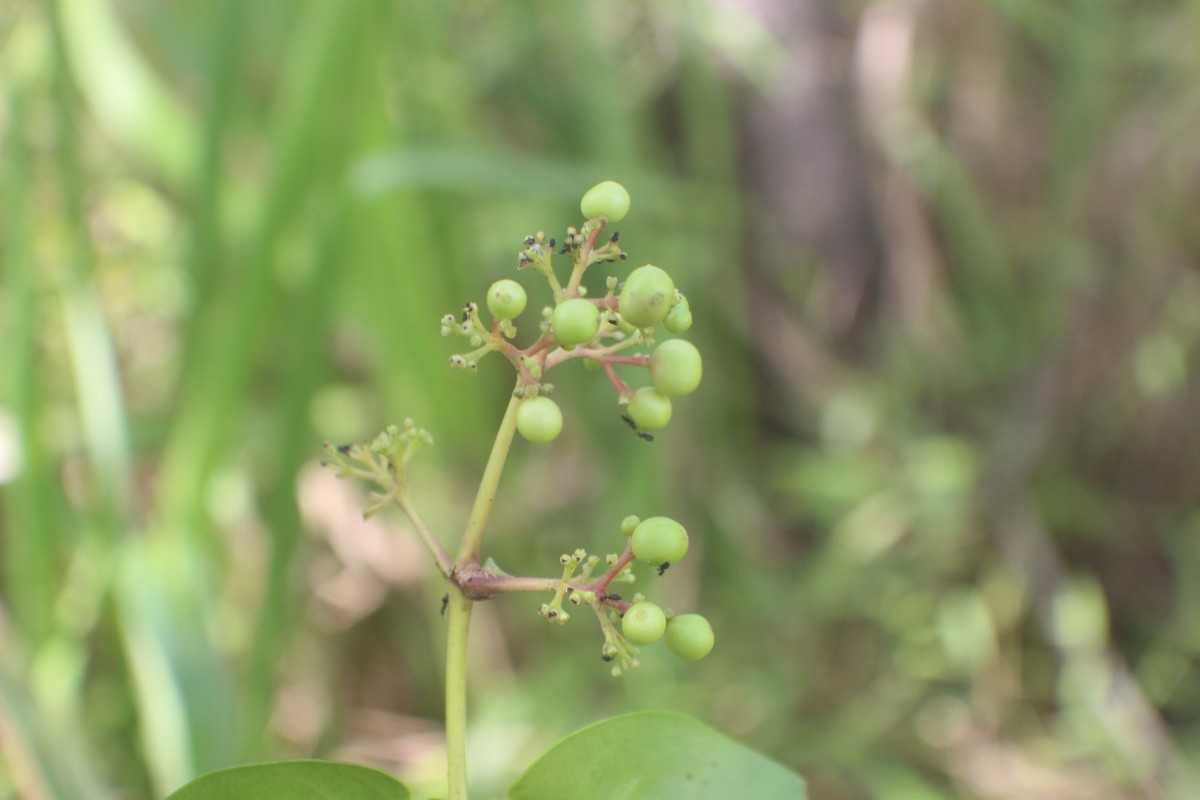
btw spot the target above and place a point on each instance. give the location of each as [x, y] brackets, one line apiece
[459, 616]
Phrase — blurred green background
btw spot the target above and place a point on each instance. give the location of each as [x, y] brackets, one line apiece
[942, 478]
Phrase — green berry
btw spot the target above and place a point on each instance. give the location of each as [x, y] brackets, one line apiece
[646, 296]
[650, 409]
[575, 321]
[644, 623]
[675, 368]
[690, 636]
[629, 524]
[506, 299]
[659, 540]
[605, 199]
[679, 318]
[539, 419]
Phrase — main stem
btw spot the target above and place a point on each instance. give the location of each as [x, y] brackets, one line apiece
[468, 551]
[459, 611]
[458, 621]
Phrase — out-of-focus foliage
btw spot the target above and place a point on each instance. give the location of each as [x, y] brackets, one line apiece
[940, 477]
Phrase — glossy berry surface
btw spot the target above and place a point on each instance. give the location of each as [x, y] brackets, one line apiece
[644, 623]
[646, 296]
[575, 322]
[659, 540]
[650, 409]
[605, 199]
[506, 299]
[690, 636]
[675, 368]
[539, 419]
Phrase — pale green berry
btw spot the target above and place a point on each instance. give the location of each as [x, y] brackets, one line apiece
[675, 368]
[679, 318]
[629, 524]
[605, 199]
[506, 299]
[659, 540]
[690, 636]
[646, 296]
[575, 321]
[539, 419]
[650, 409]
[644, 623]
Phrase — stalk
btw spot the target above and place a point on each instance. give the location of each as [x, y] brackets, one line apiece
[459, 611]
[468, 551]
[458, 622]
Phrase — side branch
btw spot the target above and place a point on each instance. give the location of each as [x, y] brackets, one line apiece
[445, 564]
[476, 584]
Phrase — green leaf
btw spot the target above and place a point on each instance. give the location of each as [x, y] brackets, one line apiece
[295, 780]
[648, 756]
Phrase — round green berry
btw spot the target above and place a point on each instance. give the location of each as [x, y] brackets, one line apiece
[644, 623]
[690, 636]
[650, 409]
[629, 524]
[506, 299]
[539, 419]
[659, 540]
[647, 296]
[605, 199]
[675, 368]
[575, 321]
[679, 318]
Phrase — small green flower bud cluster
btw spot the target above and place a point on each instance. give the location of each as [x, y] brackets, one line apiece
[553, 610]
[382, 462]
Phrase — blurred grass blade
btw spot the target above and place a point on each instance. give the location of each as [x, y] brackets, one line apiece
[129, 100]
[45, 759]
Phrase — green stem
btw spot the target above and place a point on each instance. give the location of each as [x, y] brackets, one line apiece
[468, 551]
[459, 612]
[457, 623]
[445, 565]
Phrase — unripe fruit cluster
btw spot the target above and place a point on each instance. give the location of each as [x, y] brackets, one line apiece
[689, 636]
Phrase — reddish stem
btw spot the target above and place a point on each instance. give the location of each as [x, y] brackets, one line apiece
[585, 252]
[616, 381]
[601, 585]
[637, 361]
[541, 344]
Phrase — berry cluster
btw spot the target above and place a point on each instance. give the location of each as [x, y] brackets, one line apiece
[659, 542]
[598, 331]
